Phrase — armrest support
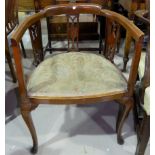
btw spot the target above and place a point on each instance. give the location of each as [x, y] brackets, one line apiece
[19, 69]
[134, 65]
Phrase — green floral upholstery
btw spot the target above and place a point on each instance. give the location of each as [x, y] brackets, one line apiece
[75, 74]
[142, 65]
[147, 100]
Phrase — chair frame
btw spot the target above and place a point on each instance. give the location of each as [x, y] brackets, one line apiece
[140, 16]
[142, 125]
[124, 98]
[11, 21]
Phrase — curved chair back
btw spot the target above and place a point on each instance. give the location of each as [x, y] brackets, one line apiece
[11, 15]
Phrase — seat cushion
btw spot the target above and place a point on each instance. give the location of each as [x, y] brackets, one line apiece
[141, 67]
[75, 74]
[147, 100]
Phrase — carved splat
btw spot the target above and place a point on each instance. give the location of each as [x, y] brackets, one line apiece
[35, 34]
[111, 39]
[33, 30]
[11, 22]
[73, 32]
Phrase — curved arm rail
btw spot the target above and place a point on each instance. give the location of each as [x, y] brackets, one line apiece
[76, 9]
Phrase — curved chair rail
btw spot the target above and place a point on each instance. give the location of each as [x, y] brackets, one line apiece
[76, 9]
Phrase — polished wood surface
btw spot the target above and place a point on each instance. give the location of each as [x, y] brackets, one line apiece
[124, 98]
[111, 38]
[142, 16]
[144, 135]
[127, 50]
[36, 42]
[142, 119]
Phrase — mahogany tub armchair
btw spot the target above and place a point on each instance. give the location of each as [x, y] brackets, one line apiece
[76, 77]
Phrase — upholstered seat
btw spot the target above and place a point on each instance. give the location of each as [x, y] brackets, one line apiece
[75, 74]
[141, 67]
[147, 100]
[141, 70]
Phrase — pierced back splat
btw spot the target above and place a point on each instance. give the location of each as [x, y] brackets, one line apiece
[111, 39]
[36, 39]
[73, 32]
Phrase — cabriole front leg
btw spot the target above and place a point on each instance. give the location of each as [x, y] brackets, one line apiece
[26, 114]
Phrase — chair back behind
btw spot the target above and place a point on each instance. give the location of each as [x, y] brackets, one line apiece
[11, 15]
